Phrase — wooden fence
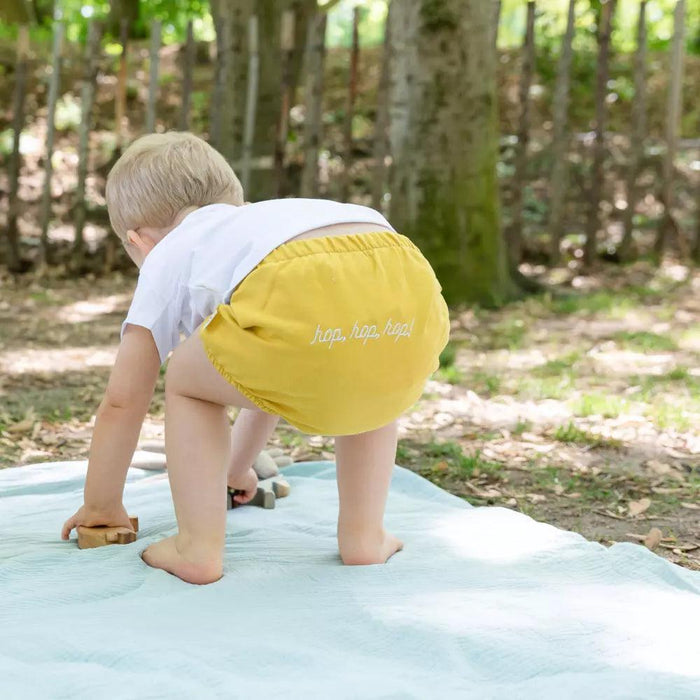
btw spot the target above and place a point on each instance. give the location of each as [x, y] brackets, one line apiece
[669, 229]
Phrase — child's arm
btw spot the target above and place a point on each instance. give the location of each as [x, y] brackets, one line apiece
[117, 428]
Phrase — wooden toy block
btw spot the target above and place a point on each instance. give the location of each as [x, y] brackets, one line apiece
[90, 537]
[280, 488]
[268, 491]
[263, 498]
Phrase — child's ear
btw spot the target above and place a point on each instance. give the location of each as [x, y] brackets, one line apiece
[135, 239]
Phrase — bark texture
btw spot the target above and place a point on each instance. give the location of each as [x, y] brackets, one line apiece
[444, 142]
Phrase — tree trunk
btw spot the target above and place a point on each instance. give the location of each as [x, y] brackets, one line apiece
[13, 251]
[153, 77]
[560, 140]
[381, 122]
[601, 110]
[87, 98]
[639, 132]
[350, 108]
[313, 100]
[673, 115]
[444, 141]
[54, 84]
[514, 235]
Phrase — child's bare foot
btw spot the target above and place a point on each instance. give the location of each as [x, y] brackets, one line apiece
[187, 566]
[360, 553]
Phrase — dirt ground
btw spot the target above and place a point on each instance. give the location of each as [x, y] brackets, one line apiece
[580, 410]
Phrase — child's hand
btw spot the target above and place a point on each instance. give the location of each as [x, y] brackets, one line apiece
[90, 517]
[246, 483]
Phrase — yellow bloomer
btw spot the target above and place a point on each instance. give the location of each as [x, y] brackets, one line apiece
[337, 335]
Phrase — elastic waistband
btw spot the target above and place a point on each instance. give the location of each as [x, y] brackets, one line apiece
[353, 242]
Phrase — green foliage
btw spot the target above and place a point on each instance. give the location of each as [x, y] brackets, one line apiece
[598, 404]
[458, 463]
[448, 355]
[68, 112]
[551, 24]
[644, 341]
[573, 435]
[508, 333]
[371, 29]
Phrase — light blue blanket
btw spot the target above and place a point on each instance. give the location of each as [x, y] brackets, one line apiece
[482, 603]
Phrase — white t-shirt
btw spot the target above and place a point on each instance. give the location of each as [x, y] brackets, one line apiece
[199, 264]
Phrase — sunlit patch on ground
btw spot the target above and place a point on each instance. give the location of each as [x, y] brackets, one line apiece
[57, 360]
[81, 311]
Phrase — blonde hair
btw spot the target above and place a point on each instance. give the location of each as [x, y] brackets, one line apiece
[160, 175]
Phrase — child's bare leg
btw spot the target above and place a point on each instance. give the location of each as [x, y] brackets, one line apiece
[249, 435]
[197, 444]
[364, 466]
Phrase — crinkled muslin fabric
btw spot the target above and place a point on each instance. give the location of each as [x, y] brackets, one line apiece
[482, 603]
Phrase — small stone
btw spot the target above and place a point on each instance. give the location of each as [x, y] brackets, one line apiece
[265, 466]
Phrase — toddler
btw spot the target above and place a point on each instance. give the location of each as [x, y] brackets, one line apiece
[309, 310]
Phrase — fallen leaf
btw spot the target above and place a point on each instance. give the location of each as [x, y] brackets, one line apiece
[652, 540]
[658, 467]
[690, 506]
[638, 507]
[22, 427]
[440, 467]
[536, 497]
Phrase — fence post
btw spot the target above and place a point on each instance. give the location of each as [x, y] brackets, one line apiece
[315, 55]
[560, 109]
[350, 109]
[153, 79]
[381, 141]
[287, 54]
[673, 116]
[187, 70]
[87, 99]
[54, 84]
[120, 97]
[13, 249]
[601, 113]
[251, 100]
[639, 131]
[514, 234]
